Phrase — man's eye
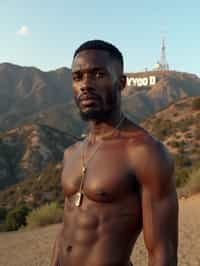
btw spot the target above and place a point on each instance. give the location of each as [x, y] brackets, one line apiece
[100, 74]
[77, 77]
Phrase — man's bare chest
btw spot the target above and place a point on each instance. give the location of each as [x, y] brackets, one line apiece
[107, 174]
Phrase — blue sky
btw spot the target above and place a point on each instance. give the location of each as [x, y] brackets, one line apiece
[45, 33]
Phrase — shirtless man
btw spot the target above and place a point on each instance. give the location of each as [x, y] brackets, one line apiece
[118, 180]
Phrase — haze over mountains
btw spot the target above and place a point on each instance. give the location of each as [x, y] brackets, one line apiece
[38, 117]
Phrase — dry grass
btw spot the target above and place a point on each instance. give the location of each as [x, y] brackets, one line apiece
[49, 213]
[33, 247]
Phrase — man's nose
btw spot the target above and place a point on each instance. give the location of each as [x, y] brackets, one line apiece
[87, 83]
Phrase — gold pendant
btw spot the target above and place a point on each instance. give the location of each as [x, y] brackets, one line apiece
[84, 169]
[78, 199]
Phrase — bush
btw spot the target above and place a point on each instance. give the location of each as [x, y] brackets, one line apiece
[47, 214]
[196, 104]
[182, 176]
[3, 213]
[16, 218]
[174, 144]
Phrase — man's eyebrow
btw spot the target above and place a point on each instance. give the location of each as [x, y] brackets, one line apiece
[95, 68]
[76, 71]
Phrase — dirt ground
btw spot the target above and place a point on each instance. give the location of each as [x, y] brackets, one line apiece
[33, 248]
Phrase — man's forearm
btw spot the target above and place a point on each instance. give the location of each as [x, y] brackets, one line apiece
[166, 259]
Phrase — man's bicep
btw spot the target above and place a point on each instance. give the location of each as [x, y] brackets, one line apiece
[159, 207]
[160, 218]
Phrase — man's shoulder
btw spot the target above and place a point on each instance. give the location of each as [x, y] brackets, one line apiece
[138, 137]
[148, 156]
[71, 149]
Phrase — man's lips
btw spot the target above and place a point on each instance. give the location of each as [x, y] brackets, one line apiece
[88, 99]
[88, 102]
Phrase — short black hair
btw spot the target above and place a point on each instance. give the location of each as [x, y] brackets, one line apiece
[101, 45]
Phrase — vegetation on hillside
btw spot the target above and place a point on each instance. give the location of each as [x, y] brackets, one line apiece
[36, 190]
[179, 128]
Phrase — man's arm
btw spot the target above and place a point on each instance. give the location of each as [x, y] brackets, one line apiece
[55, 252]
[159, 205]
[56, 246]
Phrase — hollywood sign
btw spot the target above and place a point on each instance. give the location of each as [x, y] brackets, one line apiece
[141, 82]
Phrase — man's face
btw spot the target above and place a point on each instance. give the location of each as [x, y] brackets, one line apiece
[97, 85]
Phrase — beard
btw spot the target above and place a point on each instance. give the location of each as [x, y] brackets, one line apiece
[97, 115]
[105, 108]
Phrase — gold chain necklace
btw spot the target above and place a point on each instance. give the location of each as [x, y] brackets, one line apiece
[84, 165]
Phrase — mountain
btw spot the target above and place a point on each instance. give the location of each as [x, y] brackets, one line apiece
[170, 87]
[25, 91]
[28, 94]
[64, 117]
[25, 151]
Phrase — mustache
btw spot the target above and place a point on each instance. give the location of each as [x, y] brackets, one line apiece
[86, 95]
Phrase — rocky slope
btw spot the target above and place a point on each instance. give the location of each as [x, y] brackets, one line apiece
[25, 151]
[178, 126]
[27, 90]
[170, 87]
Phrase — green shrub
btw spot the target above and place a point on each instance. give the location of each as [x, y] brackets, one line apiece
[16, 218]
[3, 213]
[177, 136]
[174, 144]
[182, 177]
[47, 214]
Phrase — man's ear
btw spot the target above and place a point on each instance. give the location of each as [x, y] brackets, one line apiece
[122, 82]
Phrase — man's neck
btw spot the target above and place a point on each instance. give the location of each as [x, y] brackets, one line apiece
[102, 130]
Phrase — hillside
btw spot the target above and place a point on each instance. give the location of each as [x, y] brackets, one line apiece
[178, 126]
[27, 150]
[170, 87]
[28, 90]
[64, 117]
